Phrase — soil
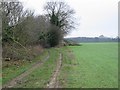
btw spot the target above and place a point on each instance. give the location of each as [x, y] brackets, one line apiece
[54, 83]
[19, 78]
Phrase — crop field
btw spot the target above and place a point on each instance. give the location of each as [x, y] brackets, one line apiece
[46, 50]
[95, 65]
[90, 65]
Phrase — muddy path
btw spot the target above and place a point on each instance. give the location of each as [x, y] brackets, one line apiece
[53, 83]
[19, 78]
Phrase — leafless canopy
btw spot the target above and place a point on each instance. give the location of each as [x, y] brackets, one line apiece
[62, 15]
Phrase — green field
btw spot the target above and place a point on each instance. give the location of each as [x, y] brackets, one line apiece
[91, 65]
[95, 65]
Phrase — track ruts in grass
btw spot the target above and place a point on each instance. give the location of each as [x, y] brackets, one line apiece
[53, 83]
[19, 78]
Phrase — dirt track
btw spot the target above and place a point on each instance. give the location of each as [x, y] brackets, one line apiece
[19, 78]
[53, 83]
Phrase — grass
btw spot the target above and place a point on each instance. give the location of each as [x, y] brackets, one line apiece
[0, 75]
[94, 66]
[68, 62]
[12, 70]
[40, 77]
[91, 65]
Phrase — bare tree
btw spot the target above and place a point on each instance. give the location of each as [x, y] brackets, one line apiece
[61, 19]
[13, 31]
[61, 15]
[11, 12]
[12, 17]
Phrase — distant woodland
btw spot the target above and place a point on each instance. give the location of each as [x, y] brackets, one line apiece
[93, 39]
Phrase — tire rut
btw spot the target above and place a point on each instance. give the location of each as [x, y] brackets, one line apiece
[53, 83]
[19, 78]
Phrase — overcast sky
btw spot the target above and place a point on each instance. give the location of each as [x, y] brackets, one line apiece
[95, 17]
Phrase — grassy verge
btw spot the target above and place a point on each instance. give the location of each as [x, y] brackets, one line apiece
[13, 69]
[94, 66]
[68, 62]
[40, 77]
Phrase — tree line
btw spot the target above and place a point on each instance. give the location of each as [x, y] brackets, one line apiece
[22, 29]
[92, 39]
